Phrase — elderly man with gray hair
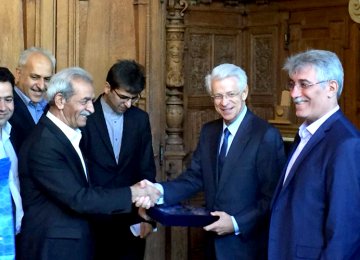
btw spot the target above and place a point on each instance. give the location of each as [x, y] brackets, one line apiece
[58, 196]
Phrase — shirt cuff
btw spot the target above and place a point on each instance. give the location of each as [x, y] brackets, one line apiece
[236, 227]
[161, 189]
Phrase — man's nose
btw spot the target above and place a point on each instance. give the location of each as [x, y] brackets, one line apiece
[128, 103]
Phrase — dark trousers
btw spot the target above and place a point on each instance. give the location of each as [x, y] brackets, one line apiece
[116, 242]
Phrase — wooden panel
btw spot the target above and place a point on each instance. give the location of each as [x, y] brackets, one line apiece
[11, 41]
[108, 37]
[262, 45]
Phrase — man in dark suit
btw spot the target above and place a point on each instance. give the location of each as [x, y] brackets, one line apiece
[117, 143]
[58, 198]
[316, 206]
[239, 193]
[35, 68]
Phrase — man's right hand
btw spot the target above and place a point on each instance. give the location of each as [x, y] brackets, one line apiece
[144, 194]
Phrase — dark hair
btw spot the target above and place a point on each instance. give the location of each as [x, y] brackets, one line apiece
[127, 75]
[7, 76]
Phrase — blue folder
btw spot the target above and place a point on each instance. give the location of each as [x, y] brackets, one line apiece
[181, 215]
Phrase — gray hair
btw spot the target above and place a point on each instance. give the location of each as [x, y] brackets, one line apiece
[24, 56]
[62, 82]
[224, 71]
[326, 64]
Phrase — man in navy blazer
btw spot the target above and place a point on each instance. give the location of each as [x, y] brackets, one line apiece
[117, 143]
[58, 197]
[315, 212]
[33, 73]
[241, 192]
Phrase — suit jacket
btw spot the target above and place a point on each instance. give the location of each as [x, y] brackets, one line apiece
[21, 121]
[316, 213]
[136, 162]
[58, 199]
[244, 190]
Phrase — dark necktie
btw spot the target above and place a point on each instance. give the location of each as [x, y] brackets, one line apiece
[223, 149]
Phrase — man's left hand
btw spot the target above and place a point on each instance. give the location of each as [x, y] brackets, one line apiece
[222, 226]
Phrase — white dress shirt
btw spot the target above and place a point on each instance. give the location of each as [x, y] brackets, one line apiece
[74, 136]
[305, 133]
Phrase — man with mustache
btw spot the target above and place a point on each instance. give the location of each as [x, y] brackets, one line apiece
[32, 75]
[315, 210]
[58, 197]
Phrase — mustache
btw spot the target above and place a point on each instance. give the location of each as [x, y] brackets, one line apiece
[298, 100]
[85, 113]
[37, 89]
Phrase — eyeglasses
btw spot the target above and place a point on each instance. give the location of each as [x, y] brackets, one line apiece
[229, 95]
[126, 98]
[303, 85]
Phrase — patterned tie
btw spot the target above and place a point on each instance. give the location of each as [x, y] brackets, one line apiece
[223, 149]
[7, 246]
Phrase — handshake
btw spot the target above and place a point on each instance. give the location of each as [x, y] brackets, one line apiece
[144, 194]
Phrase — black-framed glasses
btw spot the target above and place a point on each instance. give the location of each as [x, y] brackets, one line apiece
[303, 84]
[126, 98]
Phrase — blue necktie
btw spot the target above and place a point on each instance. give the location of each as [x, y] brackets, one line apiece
[7, 245]
[223, 149]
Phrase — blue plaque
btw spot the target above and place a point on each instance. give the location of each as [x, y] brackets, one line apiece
[182, 215]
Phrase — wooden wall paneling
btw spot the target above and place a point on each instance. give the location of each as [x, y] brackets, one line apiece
[176, 237]
[108, 37]
[263, 72]
[154, 46]
[352, 83]
[29, 10]
[264, 47]
[11, 27]
[67, 33]
[331, 32]
[40, 24]
[83, 20]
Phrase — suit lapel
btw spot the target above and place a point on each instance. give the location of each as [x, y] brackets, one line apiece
[214, 147]
[22, 112]
[237, 148]
[129, 128]
[100, 123]
[61, 137]
[281, 180]
[314, 140]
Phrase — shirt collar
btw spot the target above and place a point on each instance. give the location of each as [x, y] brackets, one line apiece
[316, 125]
[234, 126]
[5, 132]
[108, 110]
[74, 135]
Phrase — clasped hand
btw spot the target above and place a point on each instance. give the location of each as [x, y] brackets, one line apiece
[144, 194]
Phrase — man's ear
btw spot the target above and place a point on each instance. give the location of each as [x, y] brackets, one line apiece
[107, 88]
[333, 88]
[245, 93]
[59, 101]
[17, 75]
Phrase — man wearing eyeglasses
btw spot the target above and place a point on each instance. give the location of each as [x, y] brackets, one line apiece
[117, 142]
[316, 206]
[237, 164]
